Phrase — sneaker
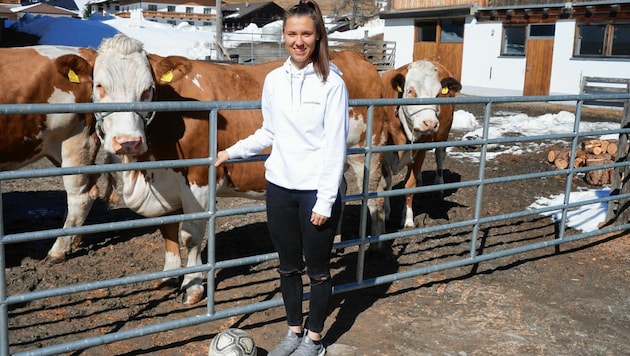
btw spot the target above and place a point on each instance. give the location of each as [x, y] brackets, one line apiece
[290, 342]
[309, 348]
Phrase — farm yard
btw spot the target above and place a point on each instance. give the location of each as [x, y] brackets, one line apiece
[569, 300]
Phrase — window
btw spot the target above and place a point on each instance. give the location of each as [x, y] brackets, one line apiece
[170, 8]
[452, 31]
[513, 40]
[539, 31]
[426, 31]
[189, 9]
[602, 40]
[171, 22]
[621, 41]
[590, 40]
[152, 7]
[207, 10]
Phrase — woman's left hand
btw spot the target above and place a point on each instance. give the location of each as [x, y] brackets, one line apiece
[317, 219]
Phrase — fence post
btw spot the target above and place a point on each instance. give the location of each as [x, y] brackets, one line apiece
[619, 208]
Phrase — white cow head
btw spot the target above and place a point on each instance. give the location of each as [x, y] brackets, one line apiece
[421, 81]
[122, 74]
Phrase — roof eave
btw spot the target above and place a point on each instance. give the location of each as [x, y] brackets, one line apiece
[448, 11]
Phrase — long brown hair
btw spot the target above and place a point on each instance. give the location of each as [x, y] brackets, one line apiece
[320, 54]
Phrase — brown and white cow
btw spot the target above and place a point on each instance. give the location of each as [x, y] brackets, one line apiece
[51, 74]
[419, 123]
[177, 135]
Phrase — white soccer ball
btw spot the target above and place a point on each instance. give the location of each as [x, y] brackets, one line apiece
[233, 342]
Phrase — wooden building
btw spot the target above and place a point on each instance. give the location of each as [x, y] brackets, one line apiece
[195, 13]
[239, 16]
[515, 47]
[14, 9]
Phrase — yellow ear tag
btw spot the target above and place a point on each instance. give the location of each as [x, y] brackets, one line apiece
[167, 77]
[444, 91]
[399, 89]
[74, 78]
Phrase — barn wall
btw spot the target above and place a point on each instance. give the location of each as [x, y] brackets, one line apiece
[484, 72]
[394, 30]
[567, 72]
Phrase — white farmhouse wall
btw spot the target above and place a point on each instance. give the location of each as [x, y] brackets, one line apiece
[182, 8]
[567, 72]
[565, 75]
[401, 31]
[484, 70]
[486, 73]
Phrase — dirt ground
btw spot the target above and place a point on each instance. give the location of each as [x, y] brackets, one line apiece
[574, 300]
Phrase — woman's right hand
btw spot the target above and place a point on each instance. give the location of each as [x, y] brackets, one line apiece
[222, 156]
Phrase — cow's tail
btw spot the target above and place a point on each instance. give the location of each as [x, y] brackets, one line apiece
[111, 195]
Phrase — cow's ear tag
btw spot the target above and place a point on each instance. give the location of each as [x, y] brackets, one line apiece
[167, 77]
[444, 90]
[399, 88]
[73, 77]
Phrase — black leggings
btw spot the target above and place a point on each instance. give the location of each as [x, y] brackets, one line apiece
[299, 243]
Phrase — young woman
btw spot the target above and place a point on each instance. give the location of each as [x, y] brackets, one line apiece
[305, 121]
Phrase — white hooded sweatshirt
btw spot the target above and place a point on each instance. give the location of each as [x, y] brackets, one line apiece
[305, 121]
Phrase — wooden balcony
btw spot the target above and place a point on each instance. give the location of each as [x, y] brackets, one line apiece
[172, 15]
[520, 3]
[421, 4]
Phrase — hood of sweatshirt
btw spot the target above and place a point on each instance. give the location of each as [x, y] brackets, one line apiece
[296, 79]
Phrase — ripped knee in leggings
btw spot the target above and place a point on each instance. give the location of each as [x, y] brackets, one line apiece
[290, 273]
[318, 279]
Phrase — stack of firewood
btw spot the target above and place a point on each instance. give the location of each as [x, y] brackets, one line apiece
[592, 153]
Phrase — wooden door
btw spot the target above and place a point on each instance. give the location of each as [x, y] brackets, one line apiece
[449, 54]
[538, 60]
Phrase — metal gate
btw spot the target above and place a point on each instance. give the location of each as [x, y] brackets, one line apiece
[470, 227]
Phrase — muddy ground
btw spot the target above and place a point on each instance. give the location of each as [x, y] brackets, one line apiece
[574, 300]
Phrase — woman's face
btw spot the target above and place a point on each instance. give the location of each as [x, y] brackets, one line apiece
[300, 38]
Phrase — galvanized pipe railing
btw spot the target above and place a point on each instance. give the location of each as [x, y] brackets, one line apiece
[363, 239]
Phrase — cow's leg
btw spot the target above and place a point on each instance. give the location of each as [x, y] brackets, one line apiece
[440, 156]
[192, 234]
[81, 190]
[375, 206]
[381, 180]
[411, 182]
[387, 174]
[172, 258]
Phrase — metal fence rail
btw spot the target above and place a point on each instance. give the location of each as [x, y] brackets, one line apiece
[258, 48]
[472, 225]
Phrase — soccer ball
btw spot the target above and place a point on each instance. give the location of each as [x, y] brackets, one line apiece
[233, 342]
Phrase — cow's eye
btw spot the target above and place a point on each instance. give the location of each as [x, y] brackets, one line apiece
[99, 90]
[147, 95]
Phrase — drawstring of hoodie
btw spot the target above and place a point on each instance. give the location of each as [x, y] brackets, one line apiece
[298, 77]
